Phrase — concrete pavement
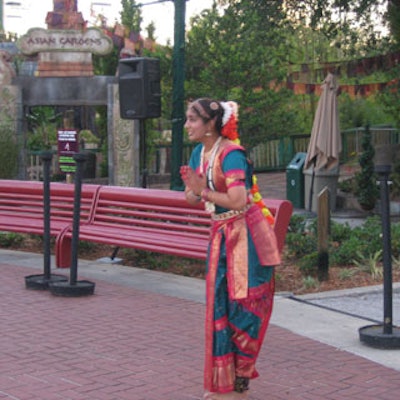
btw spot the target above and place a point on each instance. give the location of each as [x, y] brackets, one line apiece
[140, 337]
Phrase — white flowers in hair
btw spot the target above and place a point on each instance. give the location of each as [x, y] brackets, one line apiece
[230, 108]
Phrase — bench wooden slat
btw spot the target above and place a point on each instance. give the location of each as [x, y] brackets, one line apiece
[148, 233]
[178, 209]
[29, 226]
[26, 196]
[110, 221]
[155, 240]
[160, 238]
[185, 217]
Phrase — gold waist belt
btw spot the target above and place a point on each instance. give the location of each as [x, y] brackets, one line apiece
[229, 214]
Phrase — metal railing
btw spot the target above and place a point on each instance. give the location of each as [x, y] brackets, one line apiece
[352, 139]
[272, 155]
[276, 154]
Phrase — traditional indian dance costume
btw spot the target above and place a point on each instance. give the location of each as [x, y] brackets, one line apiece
[240, 274]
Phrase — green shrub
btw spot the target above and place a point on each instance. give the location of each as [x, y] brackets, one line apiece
[371, 264]
[309, 282]
[308, 264]
[372, 225]
[369, 235]
[10, 239]
[297, 223]
[347, 185]
[347, 251]
[9, 151]
[340, 232]
[346, 273]
[395, 239]
[346, 244]
[301, 237]
[396, 263]
[85, 246]
[300, 244]
[395, 178]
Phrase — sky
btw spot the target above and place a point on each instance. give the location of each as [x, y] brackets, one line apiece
[32, 14]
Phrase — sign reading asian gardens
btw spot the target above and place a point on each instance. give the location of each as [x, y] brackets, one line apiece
[67, 146]
[91, 40]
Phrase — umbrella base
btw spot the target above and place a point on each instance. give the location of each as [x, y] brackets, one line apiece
[317, 180]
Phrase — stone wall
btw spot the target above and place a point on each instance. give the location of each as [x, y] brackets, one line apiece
[123, 145]
[11, 137]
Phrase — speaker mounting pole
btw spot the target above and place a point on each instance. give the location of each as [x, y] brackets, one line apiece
[178, 111]
[143, 149]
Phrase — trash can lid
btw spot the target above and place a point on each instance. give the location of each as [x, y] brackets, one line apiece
[297, 161]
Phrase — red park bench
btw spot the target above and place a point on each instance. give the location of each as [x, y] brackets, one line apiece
[21, 206]
[154, 220]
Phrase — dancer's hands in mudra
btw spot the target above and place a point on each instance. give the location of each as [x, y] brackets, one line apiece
[196, 190]
[194, 183]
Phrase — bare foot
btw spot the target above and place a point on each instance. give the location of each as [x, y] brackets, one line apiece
[226, 396]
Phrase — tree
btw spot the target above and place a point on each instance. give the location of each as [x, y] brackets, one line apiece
[8, 142]
[393, 16]
[131, 15]
[350, 26]
[131, 19]
[242, 55]
[367, 191]
[150, 29]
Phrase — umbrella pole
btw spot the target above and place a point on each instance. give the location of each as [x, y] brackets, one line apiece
[312, 187]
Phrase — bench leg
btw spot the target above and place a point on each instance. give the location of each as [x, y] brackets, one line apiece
[63, 251]
[114, 253]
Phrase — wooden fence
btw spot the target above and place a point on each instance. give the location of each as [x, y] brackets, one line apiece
[272, 155]
[276, 154]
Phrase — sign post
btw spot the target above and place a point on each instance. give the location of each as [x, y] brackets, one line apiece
[68, 145]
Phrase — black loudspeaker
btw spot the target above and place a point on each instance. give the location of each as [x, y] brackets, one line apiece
[139, 88]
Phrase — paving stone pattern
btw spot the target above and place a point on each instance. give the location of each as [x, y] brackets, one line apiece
[126, 344]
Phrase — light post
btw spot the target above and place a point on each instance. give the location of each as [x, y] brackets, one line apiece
[384, 336]
[178, 80]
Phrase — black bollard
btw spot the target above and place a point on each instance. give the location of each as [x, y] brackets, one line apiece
[41, 282]
[75, 288]
[383, 176]
[385, 336]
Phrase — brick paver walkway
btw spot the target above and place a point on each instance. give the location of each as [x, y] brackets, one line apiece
[126, 344]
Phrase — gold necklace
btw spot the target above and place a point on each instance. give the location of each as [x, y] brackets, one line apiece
[213, 153]
[210, 207]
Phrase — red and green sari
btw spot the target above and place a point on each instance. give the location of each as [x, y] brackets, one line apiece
[240, 277]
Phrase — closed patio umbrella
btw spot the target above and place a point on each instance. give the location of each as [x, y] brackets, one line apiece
[325, 141]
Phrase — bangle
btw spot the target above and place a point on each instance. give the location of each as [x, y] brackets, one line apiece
[204, 194]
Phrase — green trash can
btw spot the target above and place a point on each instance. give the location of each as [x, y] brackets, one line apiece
[295, 180]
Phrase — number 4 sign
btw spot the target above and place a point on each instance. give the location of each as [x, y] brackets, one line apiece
[68, 145]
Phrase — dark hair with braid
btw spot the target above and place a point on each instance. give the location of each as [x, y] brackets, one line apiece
[208, 109]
